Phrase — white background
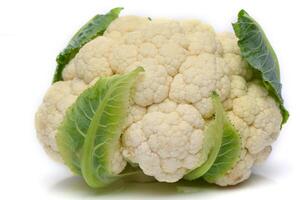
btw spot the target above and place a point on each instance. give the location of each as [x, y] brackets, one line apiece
[33, 32]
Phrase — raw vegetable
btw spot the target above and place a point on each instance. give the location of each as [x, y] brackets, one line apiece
[89, 135]
[172, 128]
[223, 143]
[257, 50]
[93, 28]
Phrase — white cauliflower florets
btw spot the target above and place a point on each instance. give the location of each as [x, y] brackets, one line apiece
[88, 64]
[58, 98]
[184, 62]
[198, 77]
[148, 142]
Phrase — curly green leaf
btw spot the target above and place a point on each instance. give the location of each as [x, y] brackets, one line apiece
[91, 129]
[212, 140]
[258, 52]
[222, 145]
[228, 154]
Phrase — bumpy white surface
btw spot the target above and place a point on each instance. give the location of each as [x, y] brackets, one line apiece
[184, 62]
[148, 142]
[50, 114]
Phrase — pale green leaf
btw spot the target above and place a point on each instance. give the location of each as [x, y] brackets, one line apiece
[90, 131]
[221, 144]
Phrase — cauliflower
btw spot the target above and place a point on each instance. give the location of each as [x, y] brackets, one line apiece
[184, 62]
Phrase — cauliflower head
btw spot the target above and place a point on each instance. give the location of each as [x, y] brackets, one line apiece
[184, 62]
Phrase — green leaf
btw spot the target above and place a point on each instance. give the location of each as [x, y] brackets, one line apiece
[228, 154]
[93, 28]
[258, 52]
[222, 144]
[212, 140]
[90, 131]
